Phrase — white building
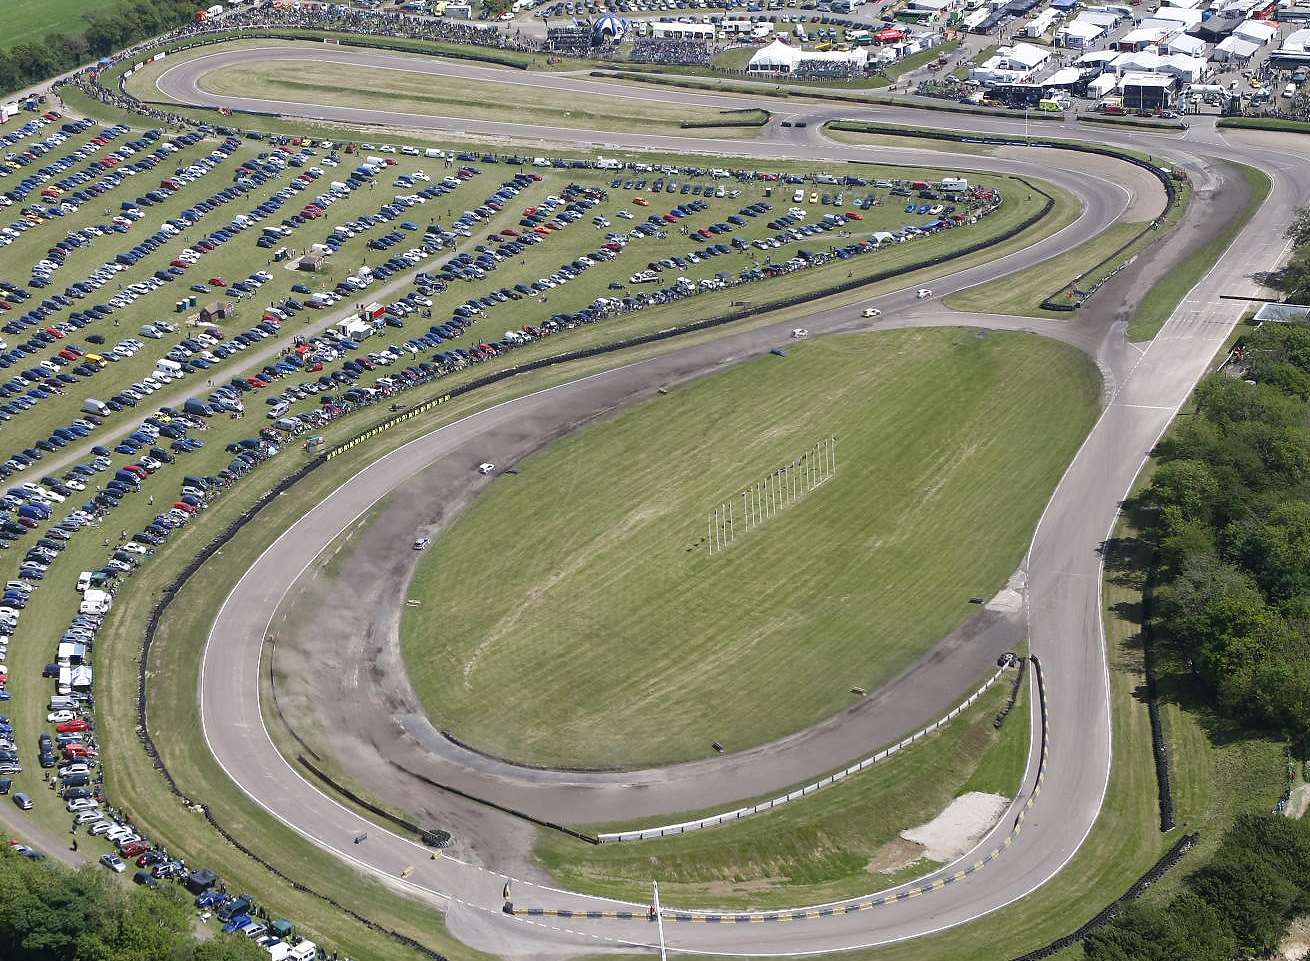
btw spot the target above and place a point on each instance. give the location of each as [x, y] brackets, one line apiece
[1040, 24]
[1233, 49]
[1078, 35]
[683, 31]
[781, 58]
[1257, 31]
[1013, 64]
[1185, 44]
[1188, 18]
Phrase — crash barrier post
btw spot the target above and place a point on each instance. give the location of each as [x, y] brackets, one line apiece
[423, 833]
[143, 729]
[1115, 908]
[724, 817]
[1159, 749]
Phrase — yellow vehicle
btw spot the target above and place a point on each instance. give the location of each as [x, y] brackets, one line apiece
[96, 359]
[824, 45]
[1050, 106]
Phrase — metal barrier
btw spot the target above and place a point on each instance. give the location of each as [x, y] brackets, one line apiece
[714, 820]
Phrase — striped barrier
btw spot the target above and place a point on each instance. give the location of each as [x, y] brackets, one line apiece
[846, 907]
[386, 425]
[714, 820]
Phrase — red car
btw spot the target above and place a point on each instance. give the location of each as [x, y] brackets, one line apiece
[78, 750]
[74, 726]
[134, 849]
[217, 282]
[185, 507]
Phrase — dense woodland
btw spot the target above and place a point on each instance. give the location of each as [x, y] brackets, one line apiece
[1236, 906]
[104, 29]
[51, 913]
[1232, 493]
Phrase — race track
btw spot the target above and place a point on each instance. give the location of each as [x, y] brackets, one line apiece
[1063, 567]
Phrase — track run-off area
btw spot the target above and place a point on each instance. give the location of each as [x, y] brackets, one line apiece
[1145, 385]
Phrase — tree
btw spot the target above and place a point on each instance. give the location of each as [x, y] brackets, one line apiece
[1298, 231]
[226, 947]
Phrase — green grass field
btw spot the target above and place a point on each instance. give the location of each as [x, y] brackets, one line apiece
[626, 644]
[22, 21]
[419, 93]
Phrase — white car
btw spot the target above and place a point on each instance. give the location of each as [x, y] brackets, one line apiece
[486, 468]
[872, 312]
[799, 333]
[113, 862]
[924, 293]
[421, 543]
[59, 717]
[82, 804]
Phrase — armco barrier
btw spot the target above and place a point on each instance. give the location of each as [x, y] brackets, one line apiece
[853, 905]
[1113, 910]
[724, 817]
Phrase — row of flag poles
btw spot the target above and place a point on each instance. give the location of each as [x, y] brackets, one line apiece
[776, 492]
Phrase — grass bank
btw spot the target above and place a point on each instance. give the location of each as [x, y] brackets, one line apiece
[841, 842]
[1163, 298]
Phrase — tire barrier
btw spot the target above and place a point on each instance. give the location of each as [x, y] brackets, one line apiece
[387, 424]
[1115, 908]
[513, 812]
[433, 837]
[1159, 749]
[1015, 687]
[852, 906]
[727, 817]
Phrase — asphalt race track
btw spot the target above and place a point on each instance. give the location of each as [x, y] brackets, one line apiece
[1146, 385]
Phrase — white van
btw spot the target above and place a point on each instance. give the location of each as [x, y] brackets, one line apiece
[83, 582]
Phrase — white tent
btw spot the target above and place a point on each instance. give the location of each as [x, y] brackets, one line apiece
[777, 57]
[1078, 35]
[1102, 85]
[1257, 31]
[1065, 77]
[1185, 44]
[1190, 18]
[1233, 49]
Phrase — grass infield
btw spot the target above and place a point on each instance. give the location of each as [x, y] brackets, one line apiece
[626, 644]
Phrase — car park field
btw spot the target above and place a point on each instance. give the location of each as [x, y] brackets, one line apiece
[628, 644]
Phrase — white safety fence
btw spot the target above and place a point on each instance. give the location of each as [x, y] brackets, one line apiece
[714, 820]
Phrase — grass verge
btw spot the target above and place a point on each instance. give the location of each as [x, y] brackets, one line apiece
[1163, 298]
[841, 842]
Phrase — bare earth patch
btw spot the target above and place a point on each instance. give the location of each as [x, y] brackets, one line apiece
[1296, 945]
[895, 855]
[962, 825]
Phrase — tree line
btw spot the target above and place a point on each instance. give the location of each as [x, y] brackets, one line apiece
[52, 913]
[1232, 529]
[105, 30]
[1236, 906]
